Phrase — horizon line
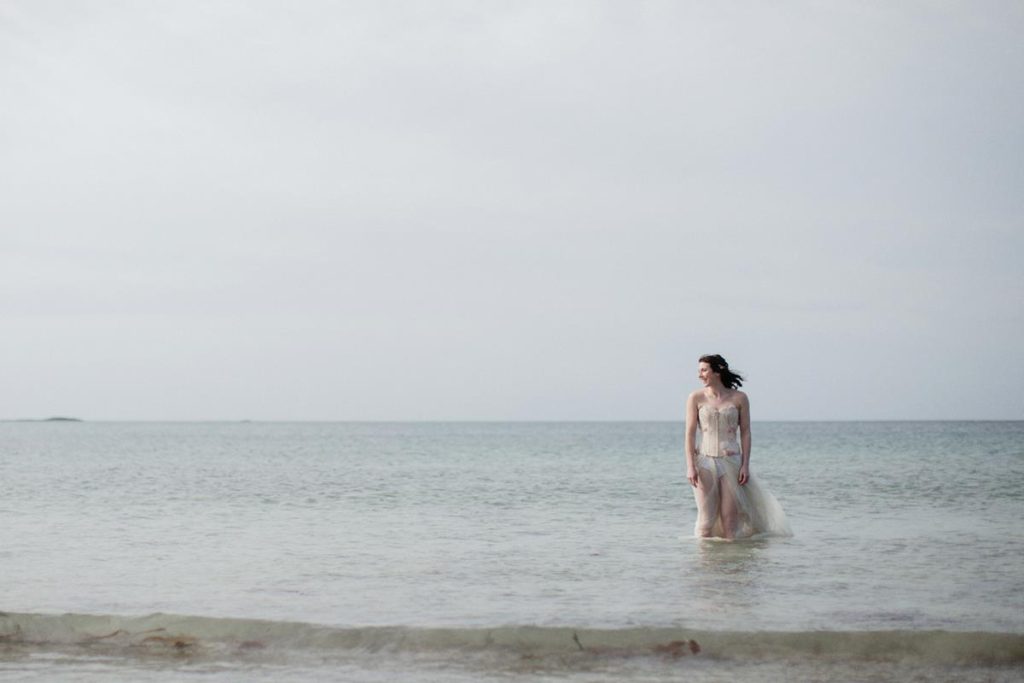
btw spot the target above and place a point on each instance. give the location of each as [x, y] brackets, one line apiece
[73, 420]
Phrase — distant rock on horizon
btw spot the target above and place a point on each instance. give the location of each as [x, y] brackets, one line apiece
[62, 419]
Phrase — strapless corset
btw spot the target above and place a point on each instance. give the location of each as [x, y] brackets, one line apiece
[718, 425]
[726, 508]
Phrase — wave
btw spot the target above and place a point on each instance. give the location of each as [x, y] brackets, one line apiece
[133, 635]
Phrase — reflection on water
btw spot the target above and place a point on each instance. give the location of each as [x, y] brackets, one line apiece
[731, 557]
[726, 579]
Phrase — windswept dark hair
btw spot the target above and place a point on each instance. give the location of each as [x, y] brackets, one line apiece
[730, 379]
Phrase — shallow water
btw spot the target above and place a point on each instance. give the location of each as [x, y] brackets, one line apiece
[899, 527]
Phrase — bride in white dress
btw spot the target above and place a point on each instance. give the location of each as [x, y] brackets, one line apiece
[730, 503]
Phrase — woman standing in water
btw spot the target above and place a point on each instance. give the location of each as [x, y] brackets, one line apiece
[730, 504]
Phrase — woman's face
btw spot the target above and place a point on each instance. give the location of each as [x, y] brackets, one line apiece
[705, 374]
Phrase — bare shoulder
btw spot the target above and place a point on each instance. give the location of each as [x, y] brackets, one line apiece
[740, 399]
[695, 396]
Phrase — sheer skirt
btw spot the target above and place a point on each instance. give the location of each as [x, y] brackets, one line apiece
[749, 511]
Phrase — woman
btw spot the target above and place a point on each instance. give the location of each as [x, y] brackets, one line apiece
[730, 504]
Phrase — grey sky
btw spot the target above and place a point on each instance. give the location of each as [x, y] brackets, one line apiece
[510, 210]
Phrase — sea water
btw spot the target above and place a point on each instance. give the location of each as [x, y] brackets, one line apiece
[490, 551]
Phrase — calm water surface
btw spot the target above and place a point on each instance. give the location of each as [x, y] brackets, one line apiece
[898, 526]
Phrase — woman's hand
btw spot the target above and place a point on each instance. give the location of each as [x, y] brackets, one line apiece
[744, 474]
[691, 475]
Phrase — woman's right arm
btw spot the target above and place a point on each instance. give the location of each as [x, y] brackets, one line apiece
[691, 440]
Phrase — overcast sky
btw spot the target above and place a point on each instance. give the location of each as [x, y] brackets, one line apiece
[510, 210]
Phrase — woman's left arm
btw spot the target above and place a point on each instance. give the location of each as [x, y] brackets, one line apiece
[745, 438]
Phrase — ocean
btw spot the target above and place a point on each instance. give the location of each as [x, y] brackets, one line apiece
[504, 551]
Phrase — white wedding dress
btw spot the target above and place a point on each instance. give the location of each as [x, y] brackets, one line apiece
[718, 462]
